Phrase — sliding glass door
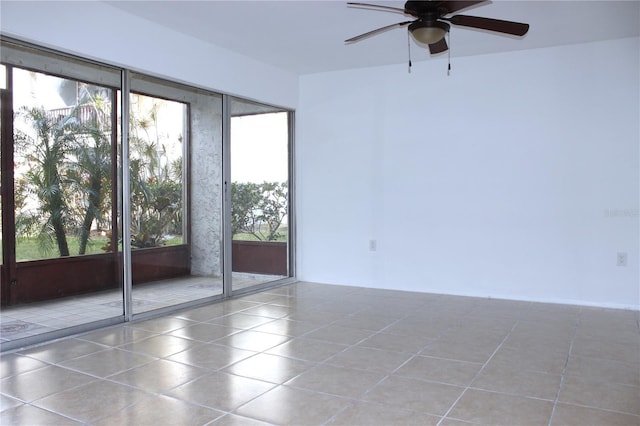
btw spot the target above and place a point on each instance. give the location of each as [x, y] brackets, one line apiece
[260, 193]
[59, 185]
[175, 198]
[115, 204]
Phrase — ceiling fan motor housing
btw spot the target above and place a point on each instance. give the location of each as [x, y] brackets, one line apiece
[428, 31]
[420, 8]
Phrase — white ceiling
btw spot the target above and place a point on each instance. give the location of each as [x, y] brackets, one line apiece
[308, 36]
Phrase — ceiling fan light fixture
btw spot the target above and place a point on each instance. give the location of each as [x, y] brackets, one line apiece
[428, 32]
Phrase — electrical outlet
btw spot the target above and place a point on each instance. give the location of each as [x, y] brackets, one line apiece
[372, 245]
[622, 259]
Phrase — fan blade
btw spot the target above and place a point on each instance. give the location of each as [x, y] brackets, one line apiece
[454, 6]
[498, 25]
[377, 31]
[438, 46]
[376, 6]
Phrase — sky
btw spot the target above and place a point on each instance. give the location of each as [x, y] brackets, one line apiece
[259, 148]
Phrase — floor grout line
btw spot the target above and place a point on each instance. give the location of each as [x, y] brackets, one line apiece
[478, 373]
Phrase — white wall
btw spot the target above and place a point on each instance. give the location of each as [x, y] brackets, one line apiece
[96, 30]
[515, 177]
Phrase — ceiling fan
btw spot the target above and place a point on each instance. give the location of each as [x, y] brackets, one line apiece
[432, 24]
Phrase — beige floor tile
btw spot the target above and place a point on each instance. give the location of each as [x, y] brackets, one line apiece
[592, 315]
[552, 312]
[288, 327]
[526, 334]
[161, 410]
[617, 331]
[204, 332]
[476, 334]
[314, 315]
[369, 359]
[211, 356]
[7, 402]
[235, 420]
[221, 391]
[161, 325]
[499, 309]
[269, 311]
[39, 383]
[362, 413]
[569, 415]
[270, 368]
[461, 350]
[541, 359]
[454, 422]
[367, 321]
[238, 305]
[209, 312]
[604, 370]
[262, 297]
[337, 381]
[518, 382]
[253, 340]
[62, 350]
[499, 409]
[340, 335]
[201, 314]
[30, 415]
[563, 330]
[107, 362]
[431, 328]
[416, 395]
[385, 309]
[448, 371]
[12, 364]
[603, 395]
[160, 346]
[396, 343]
[627, 351]
[116, 336]
[287, 406]
[240, 320]
[523, 340]
[307, 349]
[92, 401]
[159, 376]
[486, 324]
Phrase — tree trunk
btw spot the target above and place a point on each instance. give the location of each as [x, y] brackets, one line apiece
[89, 216]
[61, 237]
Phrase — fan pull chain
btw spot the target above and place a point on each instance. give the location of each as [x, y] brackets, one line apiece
[409, 50]
[449, 54]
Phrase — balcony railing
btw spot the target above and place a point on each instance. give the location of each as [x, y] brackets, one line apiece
[85, 114]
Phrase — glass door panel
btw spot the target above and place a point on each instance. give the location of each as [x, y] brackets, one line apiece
[4, 117]
[259, 140]
[58, 188]
[175, 197]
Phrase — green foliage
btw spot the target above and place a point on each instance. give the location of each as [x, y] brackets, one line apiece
[30, 249]
[63, 192]
[46, 153]
[67, 157]
[156, 183]
[91, 171]
[258, 209]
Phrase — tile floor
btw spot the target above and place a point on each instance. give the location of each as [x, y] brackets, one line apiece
[23, 321]
[311, 354]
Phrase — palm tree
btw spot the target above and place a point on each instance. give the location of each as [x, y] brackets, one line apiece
[91, 170]
[46, 153]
